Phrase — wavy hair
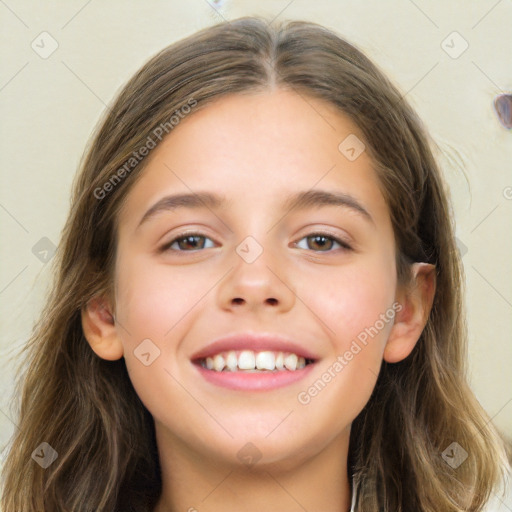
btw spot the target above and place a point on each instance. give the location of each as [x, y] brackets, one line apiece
[87, 409]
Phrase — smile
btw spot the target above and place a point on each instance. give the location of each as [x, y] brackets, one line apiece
[251, 361]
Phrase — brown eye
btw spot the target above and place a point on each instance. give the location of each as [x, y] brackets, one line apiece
[190, 242]
[322, 242]
[186, 243]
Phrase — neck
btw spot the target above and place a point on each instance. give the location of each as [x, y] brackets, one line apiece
[194, 482]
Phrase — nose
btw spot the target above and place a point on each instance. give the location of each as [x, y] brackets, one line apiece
[261, 284]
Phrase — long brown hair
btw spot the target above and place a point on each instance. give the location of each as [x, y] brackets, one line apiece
[86, 408]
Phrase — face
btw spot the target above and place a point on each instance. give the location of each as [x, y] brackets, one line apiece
[314, 279]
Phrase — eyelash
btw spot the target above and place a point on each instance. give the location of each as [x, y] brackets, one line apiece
[344, 246]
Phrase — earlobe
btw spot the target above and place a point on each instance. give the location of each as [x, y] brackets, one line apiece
[100, 331]
[410, 320]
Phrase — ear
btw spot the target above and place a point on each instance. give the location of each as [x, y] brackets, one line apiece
[100, 330]
[410, 320]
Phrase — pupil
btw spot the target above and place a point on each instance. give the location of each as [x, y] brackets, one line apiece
[322, 237]
[189, 241]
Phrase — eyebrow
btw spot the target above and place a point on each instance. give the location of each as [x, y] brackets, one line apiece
[300, 201]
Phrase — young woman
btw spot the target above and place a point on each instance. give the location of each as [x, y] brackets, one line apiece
[258, 299]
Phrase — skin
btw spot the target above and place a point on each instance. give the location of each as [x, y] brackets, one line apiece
[256, 150]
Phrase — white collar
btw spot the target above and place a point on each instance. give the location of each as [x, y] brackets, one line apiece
[353, 504]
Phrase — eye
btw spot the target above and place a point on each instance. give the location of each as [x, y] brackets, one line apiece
[325, 240]
[186, 243]
[322, 242]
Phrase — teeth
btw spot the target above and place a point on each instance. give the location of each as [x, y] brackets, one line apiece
[247, 360]
[232, 361]
[290, 361]
[266, 361]
[218, 363]
[280, 361]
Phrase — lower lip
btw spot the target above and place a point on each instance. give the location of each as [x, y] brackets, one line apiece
[261, 381]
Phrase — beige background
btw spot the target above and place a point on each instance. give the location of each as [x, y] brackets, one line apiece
[49, 107]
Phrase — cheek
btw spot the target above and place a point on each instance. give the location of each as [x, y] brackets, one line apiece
[154, 299]
[353, 299]
[155, 306]
[356, 306]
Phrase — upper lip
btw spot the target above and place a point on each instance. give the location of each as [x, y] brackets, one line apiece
[257, 342]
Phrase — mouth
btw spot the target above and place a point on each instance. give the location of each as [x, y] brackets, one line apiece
[250, 362]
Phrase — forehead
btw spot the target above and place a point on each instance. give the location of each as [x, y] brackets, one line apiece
[257, 147]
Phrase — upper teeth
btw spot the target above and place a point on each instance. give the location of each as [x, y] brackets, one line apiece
[250, 360]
